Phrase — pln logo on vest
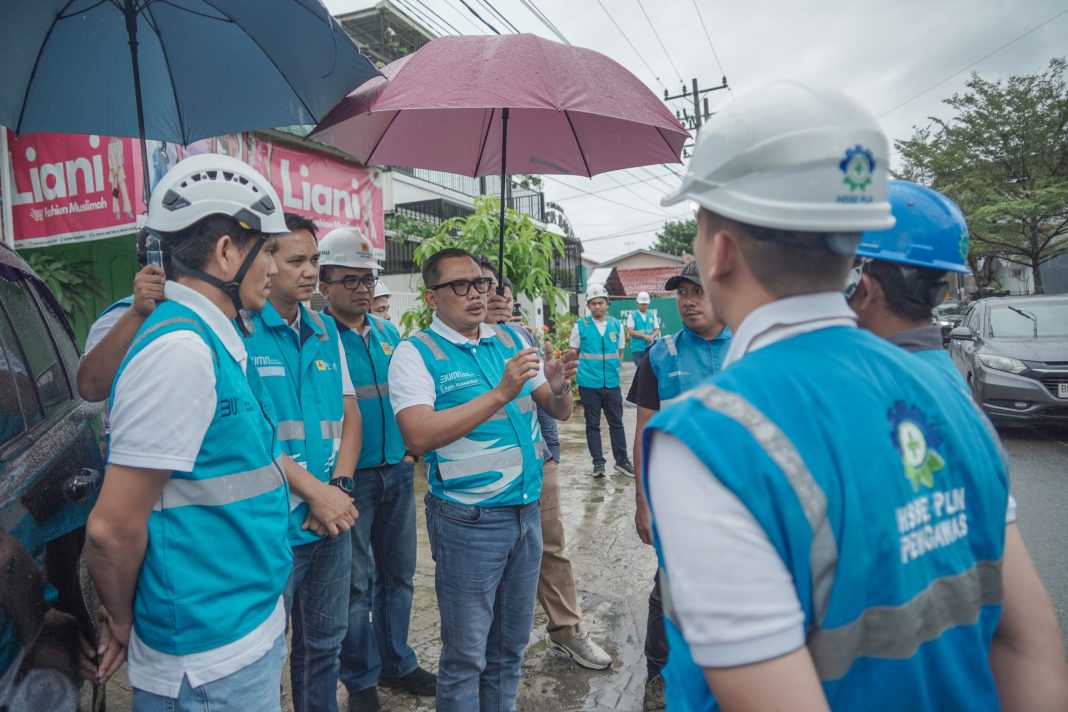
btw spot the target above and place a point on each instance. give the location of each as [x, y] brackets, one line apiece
[387, 349]
[916, 441]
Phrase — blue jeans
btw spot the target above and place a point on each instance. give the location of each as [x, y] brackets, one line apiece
[315, 599]
[383, 564]
[254, 687]
[486, 573]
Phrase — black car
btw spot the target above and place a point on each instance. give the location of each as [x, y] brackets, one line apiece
[947, 317]
[51, 465]
[1013, 351]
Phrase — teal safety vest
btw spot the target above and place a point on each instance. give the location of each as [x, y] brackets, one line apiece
[883, 493]
[647, 322]
[124, 303]
[499, 462]
[598, 354]
[682, 360]
[303, 381]
[368, 364]
[217, 557]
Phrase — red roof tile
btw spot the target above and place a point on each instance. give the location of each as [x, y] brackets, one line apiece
[645, 279]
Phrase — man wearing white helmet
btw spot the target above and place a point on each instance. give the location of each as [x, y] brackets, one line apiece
[597, 342]
[187, 542]
[380, 305]
[829, 512]
[300, 360]
[643, 328]
[379, 599]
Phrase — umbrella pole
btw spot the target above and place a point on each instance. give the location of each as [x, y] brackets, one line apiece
[130, 12]
[504, 176]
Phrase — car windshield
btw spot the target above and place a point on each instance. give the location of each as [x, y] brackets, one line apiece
[949, 310]
[1022, 320]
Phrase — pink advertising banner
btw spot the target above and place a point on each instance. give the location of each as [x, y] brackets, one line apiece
[75, 188]
[72, 188]
[328, 190]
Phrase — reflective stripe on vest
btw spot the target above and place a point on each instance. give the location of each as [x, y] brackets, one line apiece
[823, 556]
[614, 356]
[314, 316]
[525, 405]
[669, 341]
[429, 342]
[291, 430]
[163, 324]
[896, 632]
[494, 461]
[379, 390]
[217, 491]
[330, 429]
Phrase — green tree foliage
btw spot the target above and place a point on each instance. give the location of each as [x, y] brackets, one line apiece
[529, 253]
[73, 283]
[676, 237]
[1003, 157]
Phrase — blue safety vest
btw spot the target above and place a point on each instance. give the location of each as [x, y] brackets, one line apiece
[124, 303]
[885, 497]
[368, 364]
[682, 360]
[598, 354]
[499, 462]
[647, 322]
[302, 375]
[217, 557]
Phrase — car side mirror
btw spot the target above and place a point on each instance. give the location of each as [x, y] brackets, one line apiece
[962, 333]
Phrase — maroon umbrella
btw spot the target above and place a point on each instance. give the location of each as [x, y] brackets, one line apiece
[500, 104]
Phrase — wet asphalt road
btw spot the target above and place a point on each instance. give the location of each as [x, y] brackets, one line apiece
[613, 571]
[1040, 484]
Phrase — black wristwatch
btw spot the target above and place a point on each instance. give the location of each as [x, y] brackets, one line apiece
[345, 484]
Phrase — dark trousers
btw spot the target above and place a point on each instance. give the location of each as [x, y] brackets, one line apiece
[594, 400]
[656, 644]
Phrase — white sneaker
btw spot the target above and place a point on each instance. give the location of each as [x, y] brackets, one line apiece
[584, 651]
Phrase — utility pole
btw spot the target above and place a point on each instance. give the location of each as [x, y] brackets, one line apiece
[698, 97]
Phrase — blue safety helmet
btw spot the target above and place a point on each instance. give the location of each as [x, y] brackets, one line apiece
[930, 231]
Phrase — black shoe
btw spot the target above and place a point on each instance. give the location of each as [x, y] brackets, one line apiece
[625, 468]
[364, 700]
[418, 682]
[598, 470]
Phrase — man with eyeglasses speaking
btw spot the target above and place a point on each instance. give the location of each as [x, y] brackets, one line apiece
[464, 393]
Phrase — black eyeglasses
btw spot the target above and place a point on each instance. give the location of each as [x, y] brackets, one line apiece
[352, 282]
[461, 287]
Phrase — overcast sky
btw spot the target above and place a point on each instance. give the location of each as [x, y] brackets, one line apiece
[882, 53]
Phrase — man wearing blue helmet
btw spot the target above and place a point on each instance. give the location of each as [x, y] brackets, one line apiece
[899, 276]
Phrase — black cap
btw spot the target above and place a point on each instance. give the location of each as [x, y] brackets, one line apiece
[689, 271]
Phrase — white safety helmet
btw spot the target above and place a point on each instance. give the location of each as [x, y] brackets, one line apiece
[596, 291]
[213, 184]
[643, 298]
[381, 290]
[792, 156]
[347, 247]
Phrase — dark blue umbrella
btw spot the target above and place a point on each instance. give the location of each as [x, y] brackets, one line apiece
[171, 70]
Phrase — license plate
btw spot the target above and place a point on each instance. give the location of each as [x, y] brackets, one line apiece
[1062, 390]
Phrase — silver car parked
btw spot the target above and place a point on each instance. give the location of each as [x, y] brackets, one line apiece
[1013, 352]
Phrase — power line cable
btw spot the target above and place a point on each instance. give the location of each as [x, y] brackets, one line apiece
[443, 20]
[475, 13]
[544, 20]
[657, 35]
[551, 23]
[434, 27]
[981, 59]
[607, 200]
[489, 6]
[638, 54]
[708, 36]
[467, 18]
